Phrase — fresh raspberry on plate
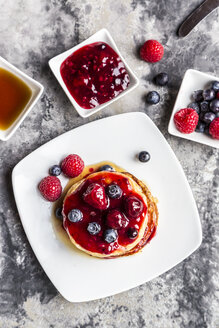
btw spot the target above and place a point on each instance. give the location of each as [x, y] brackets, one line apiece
[72, 165]
[152, 51]
[186, 120]
[214, 128]
[50, 188]
[96, 197]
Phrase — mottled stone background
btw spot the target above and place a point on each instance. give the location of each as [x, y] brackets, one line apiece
[33, 31]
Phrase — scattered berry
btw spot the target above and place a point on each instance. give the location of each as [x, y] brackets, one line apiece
[162, 79]
[200, 127]
[95, 196]
[208, 94]
[208, 117]
[107, 168]
[153, 97]
[50, 188]
[152, 51]
[197, 95]
[132, 233]
[195, 106]
[215, 85]
[144, 156]
[214, 128]
[110, 235]
[186, 120]
[72, 166]
[204, 106]
[59, 213]
[93, 228]
[75, 215]
[114, 191]
[133, 206]
[214, 105]
[116, 220]
[55, 170]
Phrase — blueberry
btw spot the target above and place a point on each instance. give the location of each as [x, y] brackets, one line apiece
[110, 235]
[200, 127]
[144, 156]
[132, 233]
[204, 106]
[93, 228]
[214, 105]
[153, 97]
[107, 168]
[197, 95]
[75, 215]
[208, 117]
[207, 130]
[55, 170]
[195, 106]
[161, 79]
[208, 94]
[59, 213]
[215, 85]
[114, 191]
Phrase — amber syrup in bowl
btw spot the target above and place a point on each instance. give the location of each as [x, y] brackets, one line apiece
[14, 96]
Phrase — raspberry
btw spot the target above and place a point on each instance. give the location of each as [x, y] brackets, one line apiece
[214, 128]
[50, 188]
[152, 51]
[96, 197]
[186, 120]
[72, 166]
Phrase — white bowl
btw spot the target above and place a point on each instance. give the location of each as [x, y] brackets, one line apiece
[37, 90]
[193, 80]
[55, 64]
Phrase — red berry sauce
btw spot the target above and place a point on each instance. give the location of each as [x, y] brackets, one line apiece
[96, 243]
[94, 74]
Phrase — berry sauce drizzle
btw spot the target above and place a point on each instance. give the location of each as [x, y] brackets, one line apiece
[94, 74]
[96, 243]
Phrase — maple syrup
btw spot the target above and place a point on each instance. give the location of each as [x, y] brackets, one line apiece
[14, 96]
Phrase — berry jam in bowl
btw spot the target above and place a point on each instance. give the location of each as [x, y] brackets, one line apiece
[195, 113]
[93, 74]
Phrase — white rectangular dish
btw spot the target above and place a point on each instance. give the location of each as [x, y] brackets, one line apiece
[77, 276]
[55, 64]
[193, 80]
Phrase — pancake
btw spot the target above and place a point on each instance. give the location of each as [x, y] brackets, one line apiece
[143, 222]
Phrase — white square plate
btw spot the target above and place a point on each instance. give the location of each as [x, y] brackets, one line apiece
[37, 90]
[77, 276]
[193, 80]
[55, 64]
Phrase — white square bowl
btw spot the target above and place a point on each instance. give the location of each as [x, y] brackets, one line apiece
[37, 90]
[193, 80]
[55, 64]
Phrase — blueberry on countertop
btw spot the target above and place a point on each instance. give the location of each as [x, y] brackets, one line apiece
[197, 95]
[161, 79]
[214, 105]
[144, 156]
[153, 97]
[208, 94]
[195, 106]
[55, 170]
[75, 215]
[114, 191]
[132, 233]
[107, 168]
[208, 117]
[93, 228]
[215, 85]
[110, 235]
[59, 213]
